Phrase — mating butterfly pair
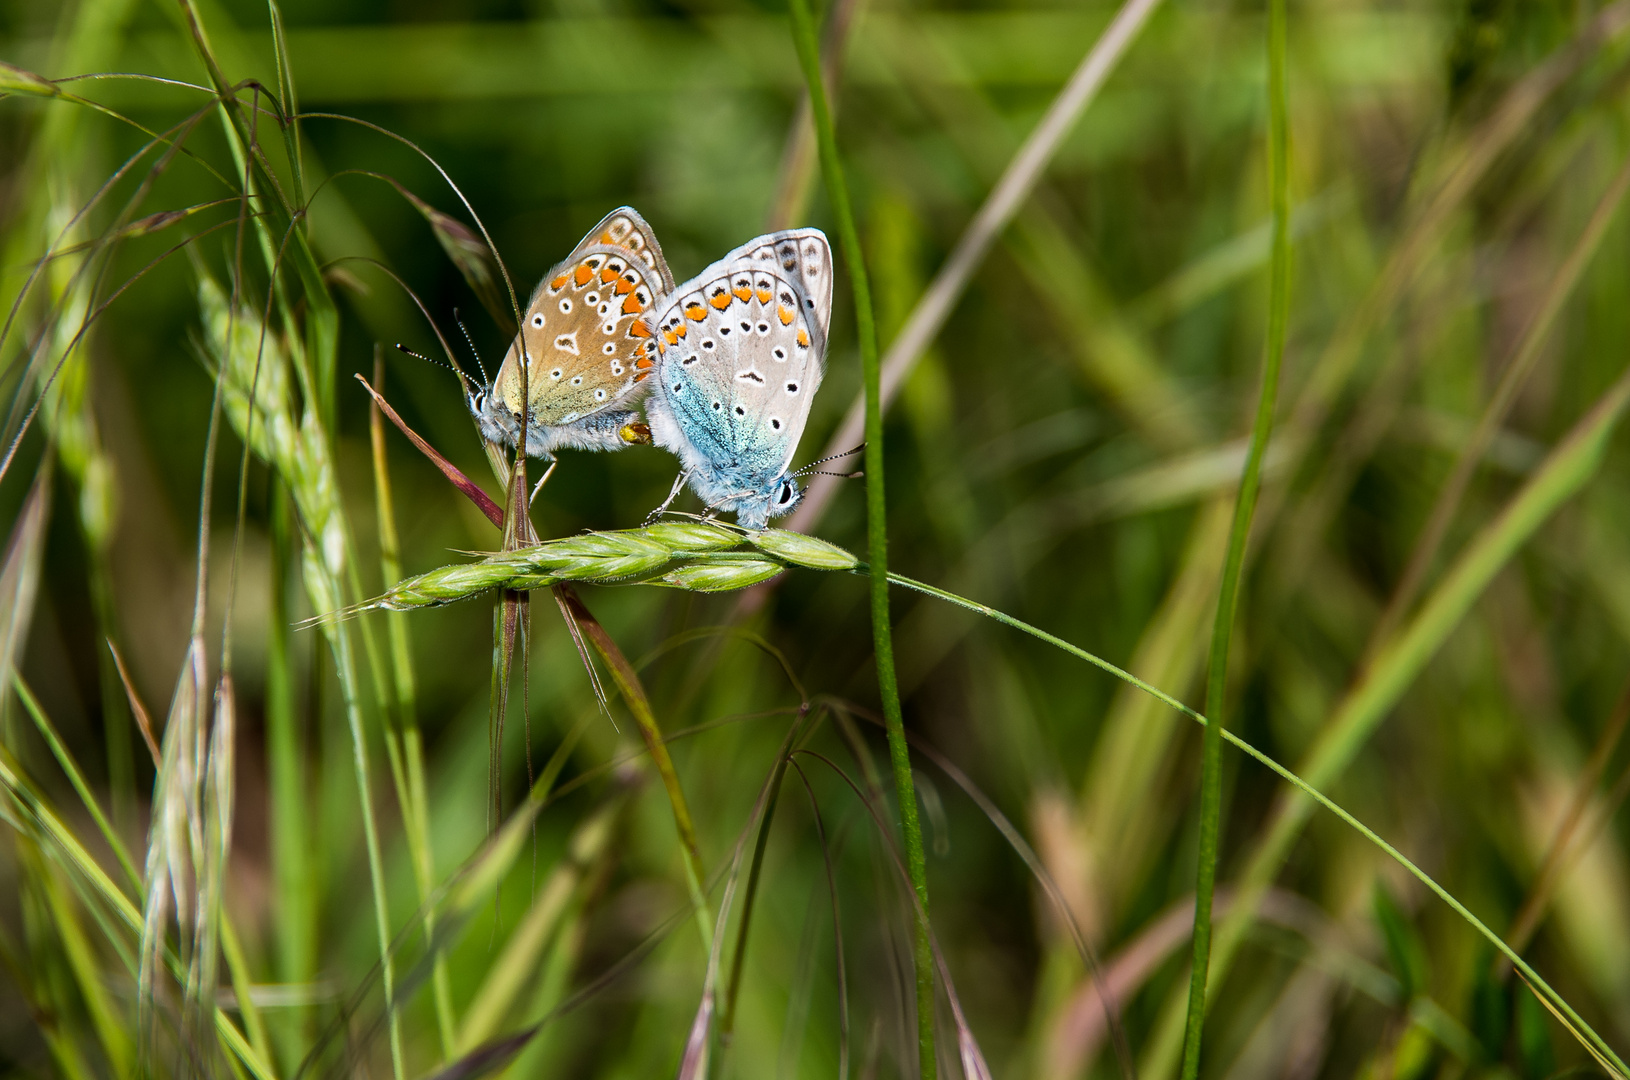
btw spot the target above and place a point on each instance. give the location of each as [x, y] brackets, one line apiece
[736, 353]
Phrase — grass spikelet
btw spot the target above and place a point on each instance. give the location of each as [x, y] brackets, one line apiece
[726, 577]
[686, 536]
[801, 550]
[468, 252]
[16, 80]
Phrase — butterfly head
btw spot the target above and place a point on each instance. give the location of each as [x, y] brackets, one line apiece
[492, 417]
[755, 511]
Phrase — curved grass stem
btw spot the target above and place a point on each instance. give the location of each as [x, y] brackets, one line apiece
[1593, 1042]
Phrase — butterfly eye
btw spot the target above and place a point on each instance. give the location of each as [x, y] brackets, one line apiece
[786, 495]
[537, 320]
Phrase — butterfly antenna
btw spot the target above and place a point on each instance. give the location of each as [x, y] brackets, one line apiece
[810, 468]
[429, 360]
[856, 475]
[470, 341]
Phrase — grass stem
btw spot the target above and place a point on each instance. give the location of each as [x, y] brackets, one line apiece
[877, 538]
[1594, 1042]
[1239, 533]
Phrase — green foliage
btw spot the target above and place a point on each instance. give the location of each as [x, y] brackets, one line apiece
[271, 801]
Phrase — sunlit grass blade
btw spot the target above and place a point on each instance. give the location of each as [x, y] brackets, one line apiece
[1308, 793]
[1563, 842]
[634, 696]
[20, 578]
[1514, 375]
[406, 745]
[997, 210]
[1464, 164]
[536, 930]
[76, 777]
[1567, 469]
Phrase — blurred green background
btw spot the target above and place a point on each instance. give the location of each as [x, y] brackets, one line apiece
[1065, 451]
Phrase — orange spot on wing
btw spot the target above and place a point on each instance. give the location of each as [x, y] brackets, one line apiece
[641, 376]
[803, 338]
[632, 306]
[682, 331]
[672, 338]
[695, 312]
[639, 329]
[585, 274]
[559, 283]
[643, 364]
[608, 274]
[785, 314]
[625, 286]
[721, 301]
[764, 295]
[744, 293]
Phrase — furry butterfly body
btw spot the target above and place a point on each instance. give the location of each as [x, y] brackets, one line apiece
[741, 349]
[587, 345]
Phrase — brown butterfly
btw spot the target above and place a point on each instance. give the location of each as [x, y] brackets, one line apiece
[587, 345]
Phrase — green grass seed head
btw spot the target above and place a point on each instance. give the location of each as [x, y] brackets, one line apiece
[721, 577]
[801, 550]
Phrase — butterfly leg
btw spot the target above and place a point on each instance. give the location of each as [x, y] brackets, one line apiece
[542, 480]
[679, 484]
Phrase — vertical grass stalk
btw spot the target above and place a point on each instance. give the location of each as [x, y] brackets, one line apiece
[294, 880]
[803, 32]
[406, 743]
[1239, 533]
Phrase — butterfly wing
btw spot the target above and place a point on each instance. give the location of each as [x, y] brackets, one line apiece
[624, 228]
[584, 331]
[796, 265]
[741, 353]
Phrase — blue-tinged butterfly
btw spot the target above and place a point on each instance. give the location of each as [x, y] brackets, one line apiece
[741, 349]
[587, 343]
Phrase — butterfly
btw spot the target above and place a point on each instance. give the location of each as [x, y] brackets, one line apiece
[587, 343]
[741, 349]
